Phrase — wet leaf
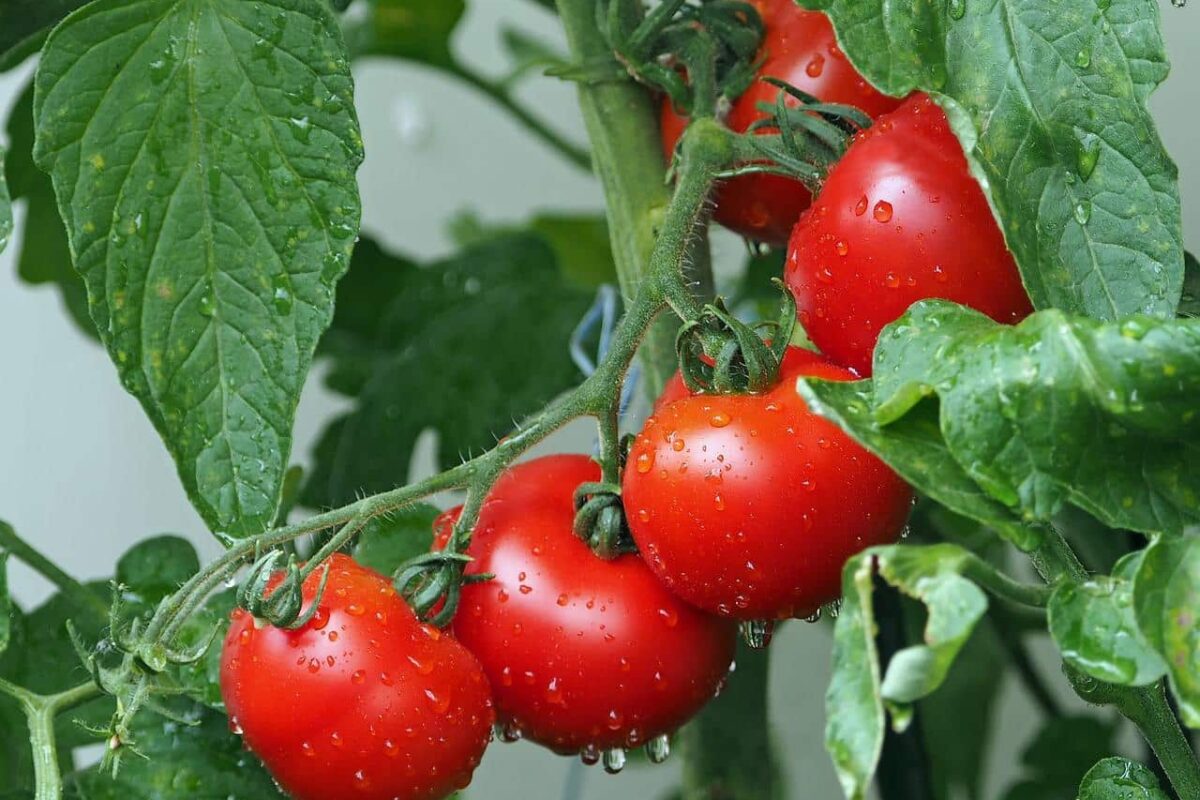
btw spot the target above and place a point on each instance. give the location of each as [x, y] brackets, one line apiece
[1120, 779]
[1166, 599]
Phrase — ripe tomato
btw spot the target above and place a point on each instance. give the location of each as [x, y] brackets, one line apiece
[363, 701]
[583, 654]
[748, 505]
[800, 48]
[900, 219]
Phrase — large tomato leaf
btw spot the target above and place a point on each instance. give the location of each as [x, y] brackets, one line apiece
[1117, 778]
[859, 690]
[464, 347]
[1166, 599]
[203, 154]
[44, 256]
[1055, 410]
[1096, 628]
[200, 760]
[1049, 102]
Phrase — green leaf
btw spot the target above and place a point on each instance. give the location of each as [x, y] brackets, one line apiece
[203, 155]
[1166, 599]
[156, 567]
[1120, 779]
[45, 255]
[1049, 102]
[580, 242]
[464, 346]
[1062, 750]
[6, 217]
[1052, 411]
[24, 24]
[728, 748]
[200, 761]
[417, 30]
[856, 696]
[6, 608]
[914, 448]
[1094, 625]
[387, 542]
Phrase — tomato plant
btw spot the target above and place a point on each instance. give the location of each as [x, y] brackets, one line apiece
[991, 265]
[748, 506]
[799, 47]
[899, 219]
[363, 700]
[604, 670]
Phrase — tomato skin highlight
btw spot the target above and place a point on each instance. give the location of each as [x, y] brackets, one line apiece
[363, 701]
[747, 506]
[900, 219]
[798, 47]
[582, 653]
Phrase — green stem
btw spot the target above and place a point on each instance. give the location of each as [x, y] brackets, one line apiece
[40, 711]
[1145, 706]
[622, 127]
[999, 584]
[500, 94]
[79, 594]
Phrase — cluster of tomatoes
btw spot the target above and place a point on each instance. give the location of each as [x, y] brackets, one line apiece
[743, 507]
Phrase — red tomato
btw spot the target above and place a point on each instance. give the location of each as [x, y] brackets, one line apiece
[583, 654]
[800, 48]
[363, 701]
[748, 505]
[900, 219]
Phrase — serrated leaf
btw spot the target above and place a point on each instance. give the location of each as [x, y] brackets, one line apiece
[45, 255]
[1055, 410]
[1094, 625]
[388, 542]
[1049, 101]
[24, 24]
[1120, 779]
[1166, 599]
[203, 155]
[202, 761]
[451, 347]
[417, 30]
[155, 567]
[914, 448]
[857, 695]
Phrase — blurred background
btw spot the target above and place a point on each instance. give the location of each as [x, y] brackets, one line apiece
[84, 474]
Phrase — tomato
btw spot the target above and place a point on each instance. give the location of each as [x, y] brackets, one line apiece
[363, 701]
[747, 506]
[799, 47]
[583, 654]
[899, 219]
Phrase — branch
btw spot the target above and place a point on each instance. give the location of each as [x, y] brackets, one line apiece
[40, 711]
[80, 595]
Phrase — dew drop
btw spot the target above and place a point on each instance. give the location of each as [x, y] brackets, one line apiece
[307, 749]
[719, 419]
[644, 462]
[615, 720]
[614, 760]
[359, 676]
[281, 293]
[1083, 59]
[815, 66]
[814, 616]
[658, 749]
[1088, 155]
[757, 633]
[235, 727]
[1083, 211]
[883, 211]
[861, 207]
[590, 755]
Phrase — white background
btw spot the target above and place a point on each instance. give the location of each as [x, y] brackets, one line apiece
[84, 476]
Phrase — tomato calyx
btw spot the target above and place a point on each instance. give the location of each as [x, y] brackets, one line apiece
[277, 598]
[720, 354]
[701, 56]
[431, 584]
[600, 520]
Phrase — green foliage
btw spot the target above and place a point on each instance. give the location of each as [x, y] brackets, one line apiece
[1062, 750]
[45, 255]
[580, 242]
[1055, 410]
[156, 567]
[857, 694]
[24, 24]
[464, 346]
[388, 542]
[1065, 146]
[201, 760]
[1120, 779]
[417, 30]
[208, 188]
[1166, 599]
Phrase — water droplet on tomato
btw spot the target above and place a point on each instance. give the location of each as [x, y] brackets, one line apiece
[615, 720]
[335, 739]
[891, 280]
[677, 445]
[355, 610]
[669, 616]
[390, 748]
[644, 462]
[307, 749]
[883, 211]
[815, 66]
[358, 676]
[235, 727]
[314, 665]
[590, 755]
[861, 207]
[719, 420]
[563, 599]
[554, 693]
[718, 502]
[842, 248]
[439, 702]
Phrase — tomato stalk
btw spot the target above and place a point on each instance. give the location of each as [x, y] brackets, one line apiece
[40, 711]
[1145, 706]
[80, 595]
